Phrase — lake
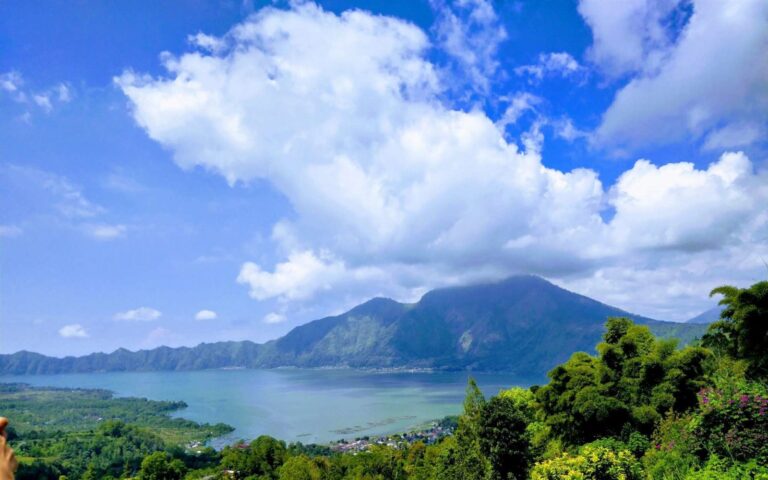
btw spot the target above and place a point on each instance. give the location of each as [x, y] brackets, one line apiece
[295, 404]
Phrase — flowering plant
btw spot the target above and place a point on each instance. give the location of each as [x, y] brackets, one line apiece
[734, 424]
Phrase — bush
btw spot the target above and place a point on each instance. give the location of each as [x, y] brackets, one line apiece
[592, 463]
[669, 465]
[671, 454]
[734, 425]
[718, 469]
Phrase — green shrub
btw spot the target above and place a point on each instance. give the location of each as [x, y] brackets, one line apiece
[734, 425]
[718, 469]
[669, 464]
[592, 463]
[671, 454]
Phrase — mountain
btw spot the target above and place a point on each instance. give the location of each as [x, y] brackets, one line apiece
[523, 325]
[707, 317]
[201, 357]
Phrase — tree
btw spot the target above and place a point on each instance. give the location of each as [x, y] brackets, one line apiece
[263, 457]
[463, 458]
[504, 439]
[300, 467]
[742, 331]
[38, 470]
[633, 382]
[161, 466]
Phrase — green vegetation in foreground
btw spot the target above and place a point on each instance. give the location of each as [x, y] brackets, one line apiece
[44, 412]
[642, 408]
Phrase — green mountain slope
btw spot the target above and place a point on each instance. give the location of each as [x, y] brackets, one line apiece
[523, 324]
[708, 316]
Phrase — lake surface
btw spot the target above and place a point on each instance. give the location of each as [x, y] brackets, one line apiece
[295, 404]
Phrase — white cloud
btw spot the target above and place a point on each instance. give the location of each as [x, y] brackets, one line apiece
[625, 34]
[298, 278]
[470, 32]
[141, 314]
[565, 129]
[49, 189]
[207, 42]
[10, 231]
[706, 83]
[560, 64]
[519, 104]
[13, 84]
[104, 231]
[273, 317]
[522, 103]
[63, 93]
[73, 331]
[735, 135]
[43, 101]
[654, 204]
[301, 66]
[69, 199]
[54, 199]
[393, 192]
[11, 81]
[206, 315]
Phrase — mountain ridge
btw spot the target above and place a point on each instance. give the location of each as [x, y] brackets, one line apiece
[523, 324]
[706, 317]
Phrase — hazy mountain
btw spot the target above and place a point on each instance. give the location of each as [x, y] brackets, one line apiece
[707, 317]
[523, 324]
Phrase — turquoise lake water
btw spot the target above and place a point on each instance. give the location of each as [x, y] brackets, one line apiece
[295, 404]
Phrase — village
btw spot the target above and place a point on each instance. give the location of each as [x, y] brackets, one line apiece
[431, 434]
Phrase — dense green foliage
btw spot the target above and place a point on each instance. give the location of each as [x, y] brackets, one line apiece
[524, 325]
[161, 466]
[262, 458]
[633, 381]
[742, 332]
[113, 450]
[91, 434]
[504, 438]
[591, 463]
[40, 413]
[642, 408]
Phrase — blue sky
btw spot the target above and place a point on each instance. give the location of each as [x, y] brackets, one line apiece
[179, 172]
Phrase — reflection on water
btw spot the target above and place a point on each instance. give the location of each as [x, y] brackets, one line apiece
[296, 404]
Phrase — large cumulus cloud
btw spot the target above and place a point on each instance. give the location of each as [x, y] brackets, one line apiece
[394, 191]
[698, 70]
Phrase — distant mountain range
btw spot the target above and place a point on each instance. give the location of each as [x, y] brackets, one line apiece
[524, 325]
[708, 316]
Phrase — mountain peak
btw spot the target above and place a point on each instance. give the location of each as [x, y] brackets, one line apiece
[492, 291]
[376, 303]
[522, 324]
